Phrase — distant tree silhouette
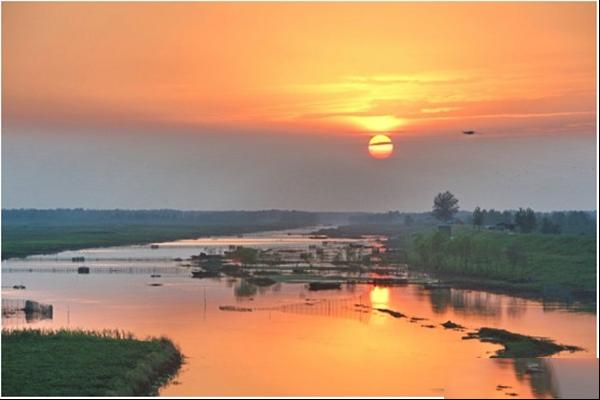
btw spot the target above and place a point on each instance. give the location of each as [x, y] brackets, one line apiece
[478, 217]
[525, 220]
[549, 227]
[445, 205]
[507, 217]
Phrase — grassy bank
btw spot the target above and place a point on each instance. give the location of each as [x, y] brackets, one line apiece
[561, 267]
[25, 240]
[78, 363]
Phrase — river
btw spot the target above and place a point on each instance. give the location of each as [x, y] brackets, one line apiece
[301, 343]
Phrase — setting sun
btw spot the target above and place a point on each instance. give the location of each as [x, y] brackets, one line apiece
[380, 147]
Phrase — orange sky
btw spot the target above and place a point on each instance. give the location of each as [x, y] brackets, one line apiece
[339, 68]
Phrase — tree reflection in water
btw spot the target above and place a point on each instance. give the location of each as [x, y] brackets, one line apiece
[467, 302]
[476, 303]
[440, 299]
[244, 289]
[539, 374]
[516, 307]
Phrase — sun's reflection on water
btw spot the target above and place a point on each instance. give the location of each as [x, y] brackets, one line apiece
[379, 296]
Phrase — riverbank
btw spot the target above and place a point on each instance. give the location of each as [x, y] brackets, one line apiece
[551, 267]
[85, 363]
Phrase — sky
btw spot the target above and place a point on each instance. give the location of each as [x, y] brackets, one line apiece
[220, 106]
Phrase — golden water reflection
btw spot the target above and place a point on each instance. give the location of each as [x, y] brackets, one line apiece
[379, 296]
[330, 343]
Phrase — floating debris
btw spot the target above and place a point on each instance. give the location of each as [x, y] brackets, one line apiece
[436, 286]
[324, 286]
[388, 281]
[298, 271]
[451, 325]
[36, 311]
[261, 281]
[266, 272]
[19, 287]
[428, 326]
[235, 308]
[393, 313]
[502, 387]
[155, 276]
[205, 274]
[155, 284]
[234, 271]
[533, 367]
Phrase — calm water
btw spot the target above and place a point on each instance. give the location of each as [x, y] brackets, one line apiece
[297, 342]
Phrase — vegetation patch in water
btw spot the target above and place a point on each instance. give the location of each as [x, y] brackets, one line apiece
[261, 281]
[395, 314]
[452, 325]
[517, 345]
[313, 286]
[85, 363]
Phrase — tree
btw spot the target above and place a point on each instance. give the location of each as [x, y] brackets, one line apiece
[507, 217]
[445, 205]
[549, 227]
[408, 220]
[478, 217]
[245, 255]
[525, 220]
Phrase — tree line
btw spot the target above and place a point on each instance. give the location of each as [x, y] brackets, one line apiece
[525, 220]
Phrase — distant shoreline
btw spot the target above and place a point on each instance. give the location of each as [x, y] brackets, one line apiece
[583, 303]
[24, 241]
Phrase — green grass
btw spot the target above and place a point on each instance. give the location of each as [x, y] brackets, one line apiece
[554, 266]
[82, 363]
[24, 240]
